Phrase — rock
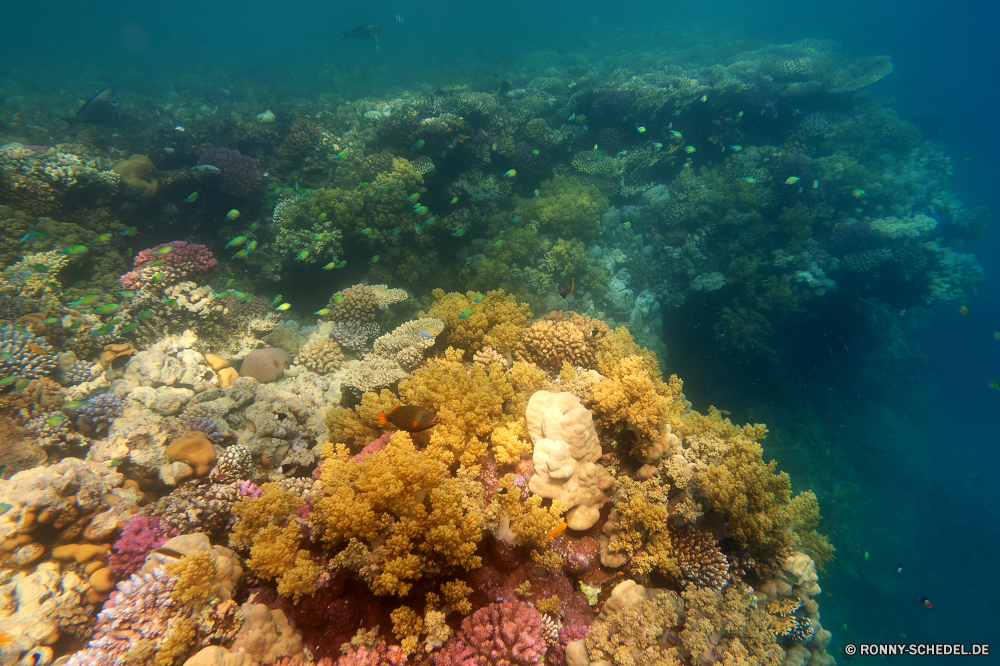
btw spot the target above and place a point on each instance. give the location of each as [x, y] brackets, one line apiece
[194, 449]
[265, 365]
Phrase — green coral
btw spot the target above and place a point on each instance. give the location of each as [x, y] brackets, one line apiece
[567, 206]
[568, 257]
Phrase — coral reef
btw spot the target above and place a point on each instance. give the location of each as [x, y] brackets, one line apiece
[239, 175]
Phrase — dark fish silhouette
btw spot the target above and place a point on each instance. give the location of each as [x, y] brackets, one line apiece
[100, 108]
[364, 32]
[504, 87]
[566, 286]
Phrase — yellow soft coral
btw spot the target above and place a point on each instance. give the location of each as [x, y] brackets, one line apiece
[468, 399]
[195, 577]
[508, 444]
[496, 321]
[629, 396]
[357, 426]
[396, 513]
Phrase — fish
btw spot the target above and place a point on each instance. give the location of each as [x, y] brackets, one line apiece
[373, 260]
[993, 385]
[341, 264]
[454, 200]
[690, 149]
[22, 384]
[737, 148]
[815, 184]
[322, 312]
[418, 145]
[459, 232]
[337, 298]
[30, 234]
[239, 255]
[411, 418]
[566, 287]
[8, 380]
[158, 262]
[74, 250]
[510, 173]
[556, 531]
[866, 556]
[395, 231]
[466, 314]
[363, 32]
[128, 252]
[571, 118]
[627, 224]
[170, 302]
[429, 220]
[103, 330]
[738, 116]
[329, 267]
[413, 197]
[497, 244]
[38, 349]
[366, 231]
[76, 323]
[478, 297]
[624, 152]
[131, 327]
[704, 98]
[504, 87]
[748, 179]
[417, 229]
[249, 425]
[302, 255]
[283, 307]
[927, 603]
[239, 240]
[580, 117]
[535, 151]
[791, 180]
[157, 277]
[640, 128]
[86, 300]
[277, 299]
[251, 247]
[362, 186]
[50, 320]
[420, 210]
[339, 156]
[106, 309]
[74, 404]
[229, 283]
[191, 198]
[899, 568]
[101, 108]
[39, 268]
[222, 294]
[676, 134]
[169, 552]
[79, 283]
[322, 216]
[858, 193]
[536, 193]
[426, 333]
[658, 146]
[103, 238]
[254, 226]
[131, 231]
[963, 310]
[232, 215]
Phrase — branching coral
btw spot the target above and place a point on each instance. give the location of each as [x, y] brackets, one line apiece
[497, 321]
[509, 633]
[394, 515]
[468, 398]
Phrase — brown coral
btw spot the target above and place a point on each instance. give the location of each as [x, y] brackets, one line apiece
[699, 558]
[363, 302]
[560, 336]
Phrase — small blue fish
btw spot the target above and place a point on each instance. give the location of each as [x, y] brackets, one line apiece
[418, 145]
[373, 260]
[277, 299]
[459, 232]
[417, 229]
[454, 200]
[426, 333]
[413, 197]
[478, 298]
[322, 216]
[510, 173]
[192, 197]
[466, 314]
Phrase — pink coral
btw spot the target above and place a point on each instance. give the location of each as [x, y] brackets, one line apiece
[184, 261]
[140, 535]
[509, 633]
[373, 446]
[379, 655]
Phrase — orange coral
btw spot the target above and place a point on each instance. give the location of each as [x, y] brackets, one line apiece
[562, 336]
[497, 321]
[394, 514]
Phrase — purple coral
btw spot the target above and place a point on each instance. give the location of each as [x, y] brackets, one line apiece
[96, 414]
[301, 139]
[240, 174]
[378, 655]
[509, 633]
[140, 535]
[184, 261]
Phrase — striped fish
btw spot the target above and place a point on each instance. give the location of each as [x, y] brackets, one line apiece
[411, 418]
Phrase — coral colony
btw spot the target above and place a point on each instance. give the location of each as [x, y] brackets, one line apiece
[397, 397]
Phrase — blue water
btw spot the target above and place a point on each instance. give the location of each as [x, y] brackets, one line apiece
[905, 474]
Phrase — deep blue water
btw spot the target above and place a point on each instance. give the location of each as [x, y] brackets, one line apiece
[923, 462]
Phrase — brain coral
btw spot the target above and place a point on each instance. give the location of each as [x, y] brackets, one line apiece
[265, 365]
